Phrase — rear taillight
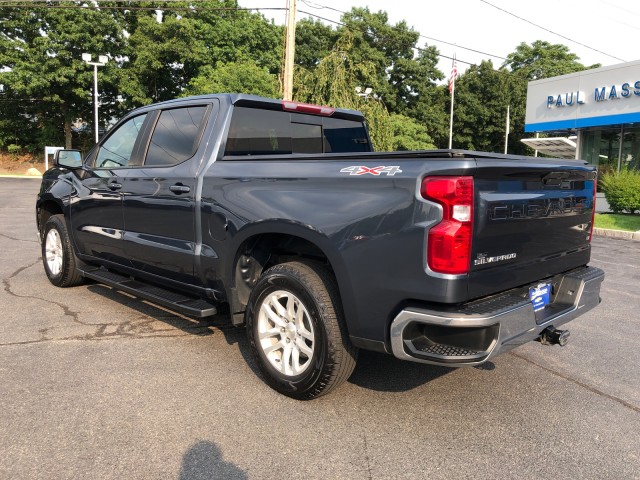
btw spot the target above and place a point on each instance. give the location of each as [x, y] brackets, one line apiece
[593, 205]
[449, 242]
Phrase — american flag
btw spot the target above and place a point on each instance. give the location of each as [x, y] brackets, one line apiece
[454, 75]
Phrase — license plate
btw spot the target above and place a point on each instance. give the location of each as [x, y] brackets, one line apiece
[539, 296]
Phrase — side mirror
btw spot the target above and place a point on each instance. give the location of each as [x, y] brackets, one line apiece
[68, 158]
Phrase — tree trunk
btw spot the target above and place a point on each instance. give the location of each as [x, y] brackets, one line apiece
[67, 133]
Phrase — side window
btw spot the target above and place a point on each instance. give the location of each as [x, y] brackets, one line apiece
[306, 138]
[116, 151]
[254, 131]
[345, 136]
[176, 136]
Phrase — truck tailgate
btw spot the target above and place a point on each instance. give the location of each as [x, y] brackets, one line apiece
[531, 221]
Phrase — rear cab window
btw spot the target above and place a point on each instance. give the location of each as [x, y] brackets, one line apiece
[255, 131]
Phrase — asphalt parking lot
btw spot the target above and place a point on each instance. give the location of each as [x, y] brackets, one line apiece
[96, 384]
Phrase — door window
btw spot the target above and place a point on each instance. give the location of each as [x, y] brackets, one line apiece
[176, 136]
[118, 149]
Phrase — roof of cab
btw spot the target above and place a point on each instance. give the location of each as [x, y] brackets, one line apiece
[255, 101]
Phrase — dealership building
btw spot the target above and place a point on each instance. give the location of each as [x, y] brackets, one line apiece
[593, 115]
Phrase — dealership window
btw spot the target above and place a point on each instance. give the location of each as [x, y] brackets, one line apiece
[612, 148]
[631, 148]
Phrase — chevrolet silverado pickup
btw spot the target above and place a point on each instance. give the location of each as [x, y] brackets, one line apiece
[282, 214]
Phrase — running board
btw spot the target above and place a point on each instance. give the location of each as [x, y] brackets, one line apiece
[194, 307]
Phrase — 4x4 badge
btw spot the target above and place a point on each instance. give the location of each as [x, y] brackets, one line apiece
[362, 170]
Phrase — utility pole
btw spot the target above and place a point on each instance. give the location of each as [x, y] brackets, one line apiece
[452, 91]
[289, 51]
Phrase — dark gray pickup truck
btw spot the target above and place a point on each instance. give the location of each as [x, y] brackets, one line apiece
[282, 214]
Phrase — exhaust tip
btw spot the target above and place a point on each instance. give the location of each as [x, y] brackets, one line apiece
[552, 336]
[563, 337]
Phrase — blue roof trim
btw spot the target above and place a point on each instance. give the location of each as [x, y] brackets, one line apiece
[583, 122]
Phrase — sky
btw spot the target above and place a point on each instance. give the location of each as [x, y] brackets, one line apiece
[598, 31]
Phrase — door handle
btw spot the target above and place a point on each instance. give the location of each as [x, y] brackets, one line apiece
[114, 185]
[179, 188]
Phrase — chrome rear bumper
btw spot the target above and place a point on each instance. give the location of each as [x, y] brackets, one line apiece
[475, 332]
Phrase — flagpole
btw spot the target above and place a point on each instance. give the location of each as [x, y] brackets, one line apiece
[506, 134]
[452, 88]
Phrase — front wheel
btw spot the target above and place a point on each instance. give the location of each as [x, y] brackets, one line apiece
[296, 331]
[60, 263]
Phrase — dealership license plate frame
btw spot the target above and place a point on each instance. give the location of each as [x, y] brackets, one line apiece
[540, 296]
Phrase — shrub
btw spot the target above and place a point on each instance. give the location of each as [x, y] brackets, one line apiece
[622, 190]
[14, 149]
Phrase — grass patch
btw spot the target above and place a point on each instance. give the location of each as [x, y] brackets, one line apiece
[618, 221]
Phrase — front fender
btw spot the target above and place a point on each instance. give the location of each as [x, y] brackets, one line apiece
[55, 194]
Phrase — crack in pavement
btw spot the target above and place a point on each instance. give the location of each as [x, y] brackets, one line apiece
[90, 337]
[138, 327]
[580, 384]
[598, 260]
[620, 292]
[18, 239]
[7, 288]
[366, 456]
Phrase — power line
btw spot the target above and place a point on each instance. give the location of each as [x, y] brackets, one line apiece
[86, 6]
[502, 72]
[377, 36]
[550, 31]
[98, 3]
[620, 8]
[191, 8]
[325, 7]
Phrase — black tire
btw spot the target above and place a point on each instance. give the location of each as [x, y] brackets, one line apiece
[333, 357]
[64, 272]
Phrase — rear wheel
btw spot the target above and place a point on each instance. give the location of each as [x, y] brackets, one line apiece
[296, 330]
[60, 263]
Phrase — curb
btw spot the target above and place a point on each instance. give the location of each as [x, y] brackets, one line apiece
[606, 232]
[38, 177]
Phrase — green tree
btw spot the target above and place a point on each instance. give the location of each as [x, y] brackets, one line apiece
[483, 95]
[43, 73]
[16, 127]
[432, 111]
[314, 41]
[408, 134]
[533, 62]
[334, 81]
[413, 78]
[426, 99]
[152, 57]
[480, 110]
[167, 53]
[543, 60]
[388, 48]
[238, 77]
